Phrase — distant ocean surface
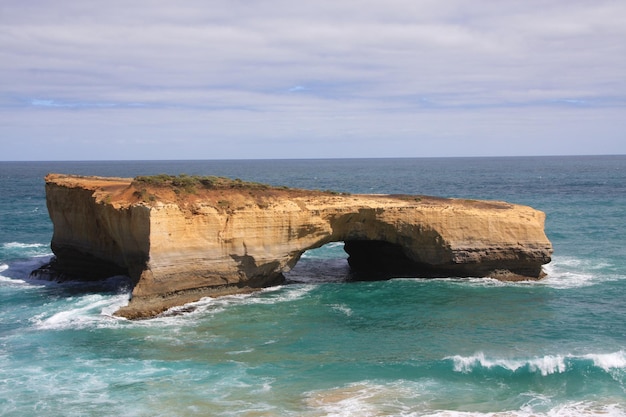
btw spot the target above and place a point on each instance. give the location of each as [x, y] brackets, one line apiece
[320, 346]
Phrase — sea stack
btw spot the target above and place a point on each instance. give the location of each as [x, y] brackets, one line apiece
[183, 238]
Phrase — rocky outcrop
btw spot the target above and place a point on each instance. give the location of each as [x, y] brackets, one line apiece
[183, 241]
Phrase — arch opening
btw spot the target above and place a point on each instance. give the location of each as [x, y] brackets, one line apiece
[376, 260]
[324, 264]
[356, 260]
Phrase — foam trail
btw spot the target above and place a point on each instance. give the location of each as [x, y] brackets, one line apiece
[211, 305]
[20, 245]
[573, 409]
[88, 311]
[342, 308]
[568, 273]
[24, 250]
[563, 273]
[363, 398]
[419, 399]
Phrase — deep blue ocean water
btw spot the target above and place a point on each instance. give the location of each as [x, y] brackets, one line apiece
[320, 346]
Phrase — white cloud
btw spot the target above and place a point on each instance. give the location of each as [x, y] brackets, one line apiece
[283, 69]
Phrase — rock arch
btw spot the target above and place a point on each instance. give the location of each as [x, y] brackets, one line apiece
[378, 250]
[180, 247]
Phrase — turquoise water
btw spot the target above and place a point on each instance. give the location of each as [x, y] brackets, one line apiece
[321, 346]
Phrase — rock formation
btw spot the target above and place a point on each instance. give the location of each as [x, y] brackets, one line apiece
[184, 238]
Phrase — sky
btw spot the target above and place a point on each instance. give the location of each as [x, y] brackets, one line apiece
[235, 79]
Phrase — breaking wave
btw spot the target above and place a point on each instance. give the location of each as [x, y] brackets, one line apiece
[545, 365]
[568, 273]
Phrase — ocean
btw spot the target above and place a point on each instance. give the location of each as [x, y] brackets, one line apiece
[321, 345]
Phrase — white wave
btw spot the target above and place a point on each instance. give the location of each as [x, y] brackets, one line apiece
[283, 293]
[215, 305]
[608, 361]
[342, 308]
[92, 310]
[480, 282]
[21, 250]
[15, 282]
[561, 273]
[562, 278]
[568, 272]
[271, 295]
[18, 272]
[20, 245]
[546, 365]
[571, 409]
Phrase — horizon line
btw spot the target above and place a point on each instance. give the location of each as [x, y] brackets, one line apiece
[314, 158]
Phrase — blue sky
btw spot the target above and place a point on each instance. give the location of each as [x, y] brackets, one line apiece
[153, 79]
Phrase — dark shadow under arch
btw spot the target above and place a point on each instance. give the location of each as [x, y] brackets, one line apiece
[374, 260]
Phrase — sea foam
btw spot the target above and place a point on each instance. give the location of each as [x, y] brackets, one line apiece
[23, 250]
[568, 273]
[88, 311]
[545, 365]
[419, 399]
[608, 361]
[571, 409]
[18, 271]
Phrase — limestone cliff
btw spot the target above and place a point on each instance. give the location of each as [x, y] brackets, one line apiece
[181, 242]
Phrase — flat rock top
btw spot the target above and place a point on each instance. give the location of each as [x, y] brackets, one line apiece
[87, 182]
[124, 192]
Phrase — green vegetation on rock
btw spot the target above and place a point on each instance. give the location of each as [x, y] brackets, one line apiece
[190, 184]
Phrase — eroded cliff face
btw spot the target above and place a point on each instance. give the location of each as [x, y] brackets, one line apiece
[181, 246]
[93, 239]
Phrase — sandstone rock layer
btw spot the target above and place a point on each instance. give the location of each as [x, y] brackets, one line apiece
[181, 245]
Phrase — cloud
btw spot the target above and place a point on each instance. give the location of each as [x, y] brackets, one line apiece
[229, 69]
